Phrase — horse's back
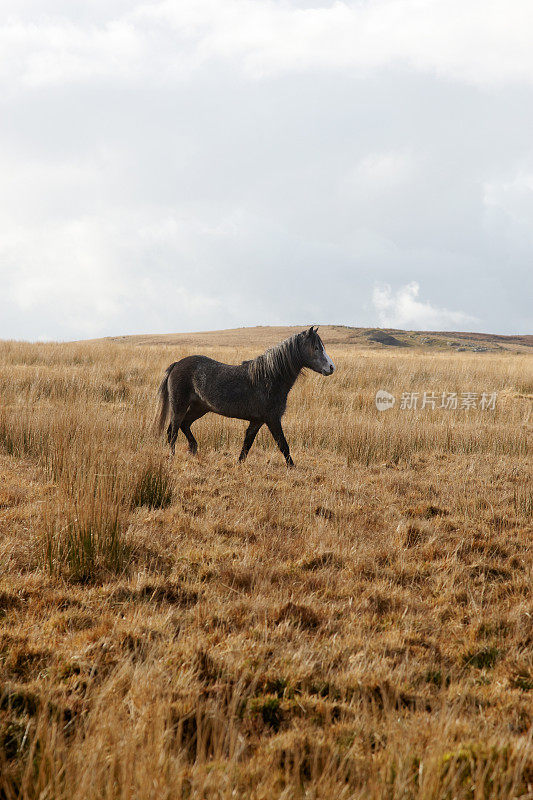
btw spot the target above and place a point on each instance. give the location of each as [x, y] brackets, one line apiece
[202, 366]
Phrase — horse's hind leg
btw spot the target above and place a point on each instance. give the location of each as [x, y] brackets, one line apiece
[194, 413]
[179, 408]
[180, 399]
[251, 433]
[173, 428]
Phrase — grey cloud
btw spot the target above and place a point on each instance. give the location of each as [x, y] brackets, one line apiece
[136, 200]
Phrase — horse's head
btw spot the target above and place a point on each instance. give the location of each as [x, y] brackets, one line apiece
[313, 353]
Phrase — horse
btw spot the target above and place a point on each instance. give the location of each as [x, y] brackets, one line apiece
[254, 390]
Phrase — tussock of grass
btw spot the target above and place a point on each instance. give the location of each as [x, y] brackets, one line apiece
[485, 658]
[153, 488]
[87, 543]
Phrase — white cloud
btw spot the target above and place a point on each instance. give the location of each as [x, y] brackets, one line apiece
[512, 197]
[462, 39]
[403, 309]
[64, 269]
[381, 173]
[467, 40]
[83, 275]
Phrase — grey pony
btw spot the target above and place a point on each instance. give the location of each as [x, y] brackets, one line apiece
[255, 390]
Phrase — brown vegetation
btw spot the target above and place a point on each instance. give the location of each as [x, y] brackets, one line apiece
[358, 627]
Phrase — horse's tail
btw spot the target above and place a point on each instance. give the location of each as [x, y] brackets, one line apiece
[163, 400]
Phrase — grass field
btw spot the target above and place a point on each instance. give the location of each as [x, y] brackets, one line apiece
[358, 627]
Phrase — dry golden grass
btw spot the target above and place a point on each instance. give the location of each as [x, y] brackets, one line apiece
[358, 627]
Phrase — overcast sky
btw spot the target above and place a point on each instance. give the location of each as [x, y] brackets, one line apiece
[202, 164]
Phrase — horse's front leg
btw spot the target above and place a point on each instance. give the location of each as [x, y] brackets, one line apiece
[274, 426]
[251, 433]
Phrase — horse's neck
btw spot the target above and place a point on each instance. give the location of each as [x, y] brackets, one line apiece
[284, 383]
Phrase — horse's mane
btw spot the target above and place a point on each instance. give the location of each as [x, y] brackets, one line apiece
[284, 361]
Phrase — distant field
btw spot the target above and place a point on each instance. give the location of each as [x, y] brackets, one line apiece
[263, 337]
[358, 627]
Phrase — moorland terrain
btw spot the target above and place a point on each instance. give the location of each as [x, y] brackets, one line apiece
[360, 626]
